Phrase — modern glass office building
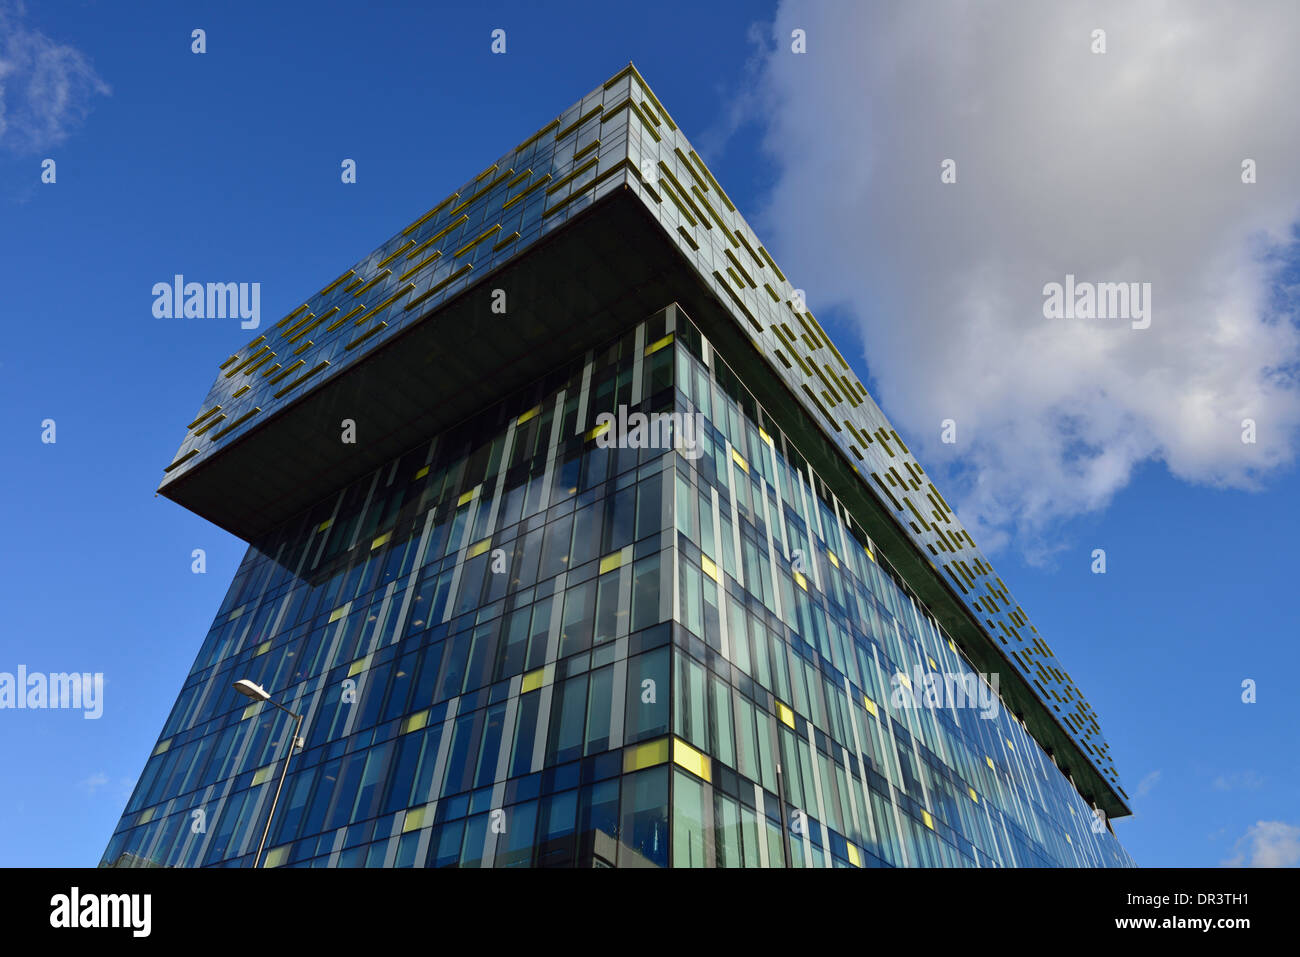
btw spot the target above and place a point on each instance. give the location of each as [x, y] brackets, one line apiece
[577, 543]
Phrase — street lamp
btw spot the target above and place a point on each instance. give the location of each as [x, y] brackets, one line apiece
[250, 689]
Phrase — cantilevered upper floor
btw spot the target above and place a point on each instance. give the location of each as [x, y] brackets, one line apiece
[596, 220]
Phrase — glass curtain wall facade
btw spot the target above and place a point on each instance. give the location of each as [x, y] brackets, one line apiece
[514, 646]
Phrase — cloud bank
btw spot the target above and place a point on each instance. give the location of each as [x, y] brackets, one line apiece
[1267, 844]
[1117, 167]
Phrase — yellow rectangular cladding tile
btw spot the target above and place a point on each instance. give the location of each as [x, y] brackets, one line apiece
[526, 192]
[692, 760]
[430, 214]
[289, 318]
[432, 258]
[475, 241]
[373, 331]
[414, 819]
[372, 282]
[320, 366]
[182, 460]
[211, 411]
[438, 286]
[785, 714]
[659, 344]
[395, 253]
[646, 755]
[235, 424]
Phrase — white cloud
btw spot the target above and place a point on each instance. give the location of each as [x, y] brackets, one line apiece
[45, 87]
[1239, 780]
[94, 782]
[1267, 844]
[1148, 783]
[1116, 167]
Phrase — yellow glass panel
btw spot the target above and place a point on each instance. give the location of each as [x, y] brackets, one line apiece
[973, 796]
[801, 581]
[416, 721]
[532, 681]
[414, 820]
[325, 524]
[422, 473]
[645, 755]
[249, 711]
[598, 430]
[263, 648]
[709, 567]
[276, 856]
[740, 461]
[990, 761]
[611, 561]
[834, 560]
[855, 857]
[380, 540]
[360, 665]
[785, 714]
[467, 497]
[146, 816]
[659, 344]
[162, 746]
[339, 612]
[262, 775]
[765, 437]
[478, 548]
[929, 821]
[871, 705]
[687, 757]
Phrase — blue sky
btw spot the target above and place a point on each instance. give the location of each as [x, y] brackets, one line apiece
[225, 166]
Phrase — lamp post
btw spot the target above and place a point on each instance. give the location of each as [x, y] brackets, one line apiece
[255, 691]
